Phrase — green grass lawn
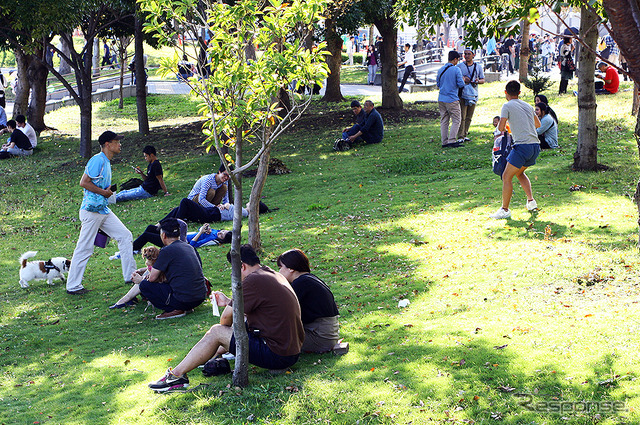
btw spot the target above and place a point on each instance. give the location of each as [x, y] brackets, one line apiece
[521, 321]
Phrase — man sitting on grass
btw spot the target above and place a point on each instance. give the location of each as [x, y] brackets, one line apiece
[153, 180]
[17, 145]
[273, 323]
[372, 131]
[185, 287]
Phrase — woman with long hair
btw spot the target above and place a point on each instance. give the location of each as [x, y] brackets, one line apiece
[318, 307]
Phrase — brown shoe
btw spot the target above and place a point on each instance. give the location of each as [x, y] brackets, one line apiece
[171, 315]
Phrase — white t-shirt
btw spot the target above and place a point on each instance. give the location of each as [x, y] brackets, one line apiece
[409, 58]
[30, 133]
[522, 122]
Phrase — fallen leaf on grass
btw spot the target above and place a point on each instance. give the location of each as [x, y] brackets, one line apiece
[500, 347]
[506, 388]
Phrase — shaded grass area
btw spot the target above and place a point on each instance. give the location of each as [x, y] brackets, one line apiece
[505, 316]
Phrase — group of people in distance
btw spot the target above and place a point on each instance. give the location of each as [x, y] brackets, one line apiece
[23, 137]
[287, 312]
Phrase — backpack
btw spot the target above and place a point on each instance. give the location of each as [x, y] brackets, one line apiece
[341, 145]
[131, 183]
[500, 154]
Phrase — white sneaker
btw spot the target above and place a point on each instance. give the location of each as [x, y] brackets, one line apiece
[500, 214]
[532, 205]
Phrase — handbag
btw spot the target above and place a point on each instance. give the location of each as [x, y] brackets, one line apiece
[102, 239]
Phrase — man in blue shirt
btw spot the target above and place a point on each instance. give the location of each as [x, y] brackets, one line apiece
[95, 215]
[372, 131]
[449, 80]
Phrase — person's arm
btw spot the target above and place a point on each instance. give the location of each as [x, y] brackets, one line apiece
[163, 185]
[154, 274]
[459, 79]
[139, 171]
[502, 125]
[544, 125]
[209, 183]
[86, 183]
[536, 121]
[222, 300]
[202, 230]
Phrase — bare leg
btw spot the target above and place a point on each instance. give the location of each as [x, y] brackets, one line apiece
[133, 292]
[525, 183]
[507, 184]
[217, 336]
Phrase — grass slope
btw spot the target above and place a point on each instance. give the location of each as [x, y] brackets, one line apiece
[507, 318]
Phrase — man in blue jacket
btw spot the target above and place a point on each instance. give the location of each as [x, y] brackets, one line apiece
[372, 131]
[449, 80]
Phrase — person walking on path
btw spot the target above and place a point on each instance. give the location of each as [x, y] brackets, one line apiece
[523, 123]
[408, 63]
[449, 80]
[95, 215]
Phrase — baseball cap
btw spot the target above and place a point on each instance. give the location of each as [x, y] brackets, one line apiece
[108, 136]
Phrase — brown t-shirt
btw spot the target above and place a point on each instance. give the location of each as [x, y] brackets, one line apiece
[271, 306]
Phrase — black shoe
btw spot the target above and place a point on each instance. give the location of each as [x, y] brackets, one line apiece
[114, 188]
[80, 291]
[452, 145]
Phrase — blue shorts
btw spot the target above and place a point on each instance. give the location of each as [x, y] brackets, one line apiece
[524, 155]
[261, 355]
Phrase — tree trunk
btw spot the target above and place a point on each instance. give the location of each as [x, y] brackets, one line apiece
[586, 155]
[95, 58]
[255, 239]
[241, 370]
[141, 80]
[334, 61]
[624, 16]
[524, 52]
[22, 86]
[636, 99]
[37, 74]
[85, 120]
[65, 67]
[389, 61]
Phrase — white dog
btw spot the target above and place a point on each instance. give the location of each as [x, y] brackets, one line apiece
[49, 270]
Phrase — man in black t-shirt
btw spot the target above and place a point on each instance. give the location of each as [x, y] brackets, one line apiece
[18, 144]
[153, 180]
[184, 286]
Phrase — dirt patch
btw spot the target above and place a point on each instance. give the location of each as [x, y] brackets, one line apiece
[341, 119]
[188, 138]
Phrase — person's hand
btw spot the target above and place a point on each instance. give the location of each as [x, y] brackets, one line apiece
[136, 278]
[137, 170]
[220, 299]
[352, 138]
[108, 193]
[467, 80]
[167, 194]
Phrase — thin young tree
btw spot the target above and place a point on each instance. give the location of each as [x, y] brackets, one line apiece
[243, 99]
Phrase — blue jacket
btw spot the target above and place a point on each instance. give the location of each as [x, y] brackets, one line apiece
[373, 127]
[449, 82]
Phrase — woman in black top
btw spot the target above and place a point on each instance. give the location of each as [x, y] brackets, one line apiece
[318, 307]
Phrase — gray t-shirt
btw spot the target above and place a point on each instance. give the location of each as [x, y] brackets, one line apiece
[522, 122]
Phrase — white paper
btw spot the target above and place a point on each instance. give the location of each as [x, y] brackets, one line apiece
[214, 307]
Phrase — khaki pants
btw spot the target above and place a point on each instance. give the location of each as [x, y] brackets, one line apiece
[466, 114]
[449, 111]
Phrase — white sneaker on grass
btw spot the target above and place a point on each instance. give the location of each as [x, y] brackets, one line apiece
[532, 205]
[500, 214]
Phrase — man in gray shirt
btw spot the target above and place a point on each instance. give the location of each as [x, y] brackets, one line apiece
[523, 122]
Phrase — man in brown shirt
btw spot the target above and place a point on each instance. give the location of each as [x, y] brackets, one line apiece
[273, 323]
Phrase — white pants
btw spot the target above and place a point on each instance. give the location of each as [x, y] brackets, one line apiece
[112, 226]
